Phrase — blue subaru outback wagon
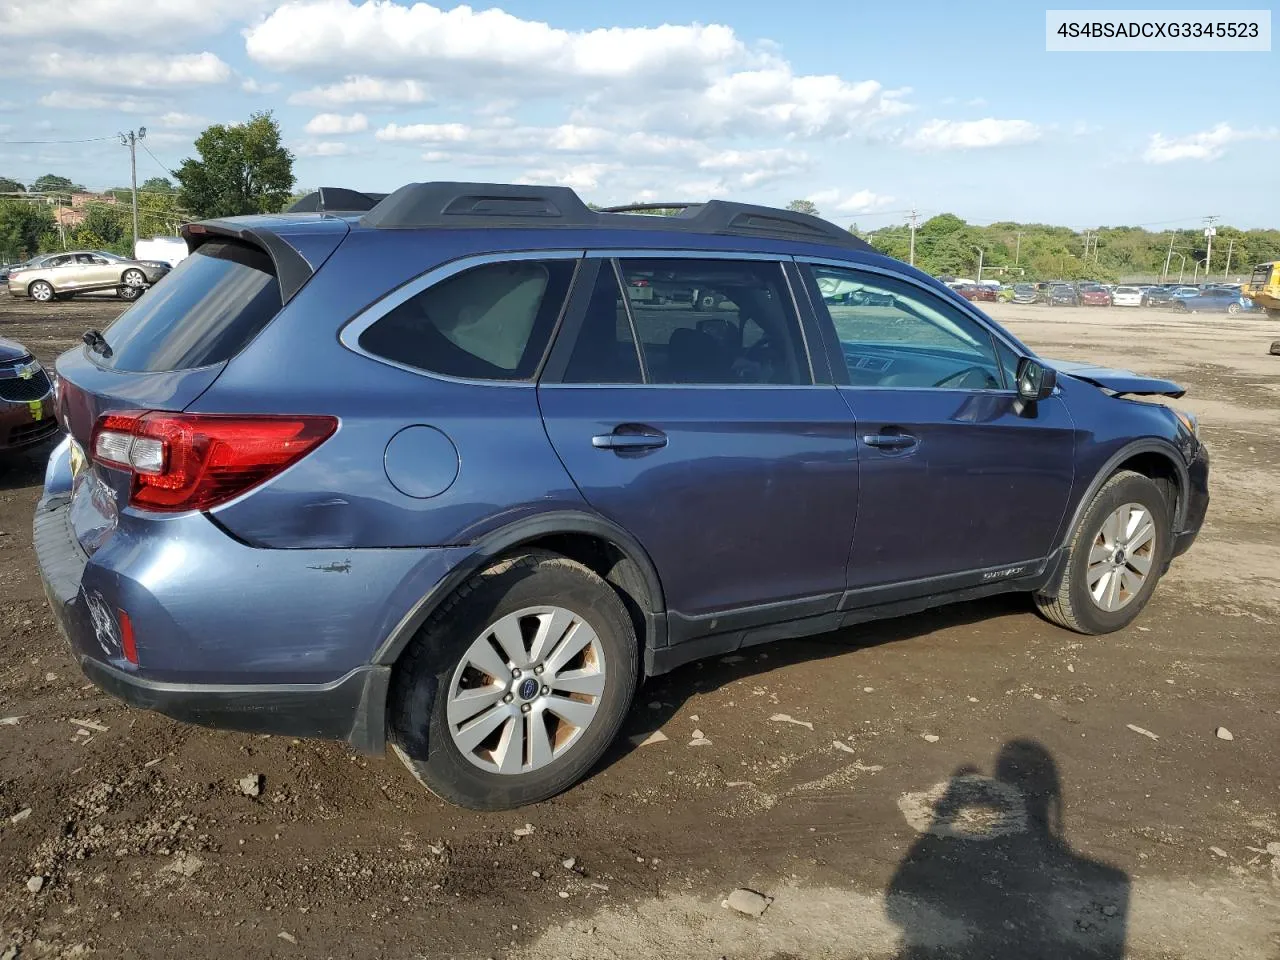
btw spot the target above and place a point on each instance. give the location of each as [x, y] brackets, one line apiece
[458, 467]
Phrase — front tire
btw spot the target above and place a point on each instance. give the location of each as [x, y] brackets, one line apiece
[1117, 554]
[516, 686]
[129, 293]
[1233, 308]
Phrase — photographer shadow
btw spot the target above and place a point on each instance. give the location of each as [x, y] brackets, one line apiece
[993, 877]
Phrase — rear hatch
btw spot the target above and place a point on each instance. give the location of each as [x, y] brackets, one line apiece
[160, 355]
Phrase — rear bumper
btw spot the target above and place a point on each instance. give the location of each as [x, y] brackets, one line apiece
[348, 709]
[228, 635]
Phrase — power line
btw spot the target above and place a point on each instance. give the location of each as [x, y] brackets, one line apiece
[11, 143]
[158, 163]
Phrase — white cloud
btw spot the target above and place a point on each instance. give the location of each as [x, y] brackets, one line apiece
[250, 85]
[336, 124]
[695, 79]
[362, 89]
[777, 100]
[155, 24]
[183, 121]
[428, 133]
[751, 168]
[380, 36]
[76, 100]
[324, 148]
[132, 70]
[861, 201]
[583, 176]
[972, 134]
[1205, 145]
[976, 102]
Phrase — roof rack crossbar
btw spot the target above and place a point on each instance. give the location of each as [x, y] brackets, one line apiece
[479, 205]
[641, 207]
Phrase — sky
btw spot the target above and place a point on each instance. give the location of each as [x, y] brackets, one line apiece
[870, 110]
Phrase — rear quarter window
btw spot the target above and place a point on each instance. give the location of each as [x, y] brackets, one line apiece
[492, 322]
[204, 312]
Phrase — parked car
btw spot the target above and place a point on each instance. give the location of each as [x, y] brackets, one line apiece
[1062, 295]
[1093, 295]
[291, 500]
[61, 276]
[1186, 291]
[973, 292]
[1024, 293]
[1159, 296]
[1127, 297]
[1004, 293]
[26, 400]
[1214, 301]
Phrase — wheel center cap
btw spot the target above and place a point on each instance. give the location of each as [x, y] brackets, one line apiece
[528, 688]
[1120, 556]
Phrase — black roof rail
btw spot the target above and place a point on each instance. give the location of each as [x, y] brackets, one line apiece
[447, 204]
[337, 200]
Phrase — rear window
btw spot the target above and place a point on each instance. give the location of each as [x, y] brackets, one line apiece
[491, 322]
[204, 312]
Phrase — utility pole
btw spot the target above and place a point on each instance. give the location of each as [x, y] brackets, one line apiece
[1209, 232]
[1230, 246]
[131, 141]
[912, 258]
[1167, 257]
[1017, 247]
[980, 255]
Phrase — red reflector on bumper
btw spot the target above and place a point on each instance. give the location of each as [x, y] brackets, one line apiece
[127, 642]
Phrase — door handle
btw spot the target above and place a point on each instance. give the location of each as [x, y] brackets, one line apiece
[890, 441]
[629, 441]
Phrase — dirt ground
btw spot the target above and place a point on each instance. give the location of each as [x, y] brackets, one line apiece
[971, 782]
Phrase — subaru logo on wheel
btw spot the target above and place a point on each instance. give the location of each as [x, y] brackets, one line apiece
[528, 688]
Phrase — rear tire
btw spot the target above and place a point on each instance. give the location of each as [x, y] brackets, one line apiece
[129, 293]
[41, 291]
[1076, 605]
[441, 673]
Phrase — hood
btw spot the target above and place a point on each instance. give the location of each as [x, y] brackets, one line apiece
[1118, 381]
[11, 350]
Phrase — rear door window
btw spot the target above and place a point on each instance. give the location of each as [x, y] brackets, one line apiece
[205, 312]
[492, 322]
[715, 321]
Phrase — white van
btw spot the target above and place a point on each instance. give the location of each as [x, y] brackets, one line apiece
[170, 250]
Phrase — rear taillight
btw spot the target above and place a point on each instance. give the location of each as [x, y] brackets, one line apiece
[197, 461]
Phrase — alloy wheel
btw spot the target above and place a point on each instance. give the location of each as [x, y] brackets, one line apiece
[1121, 557]
[526, 690]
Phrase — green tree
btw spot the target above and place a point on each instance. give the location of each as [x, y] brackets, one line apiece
[105, 227]
[156, 185]
[52, 183]
[8, 185]
[24, 228]
[804, 206]
[243, 169]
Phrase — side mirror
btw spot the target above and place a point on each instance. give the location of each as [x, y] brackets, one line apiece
[1035, 380]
